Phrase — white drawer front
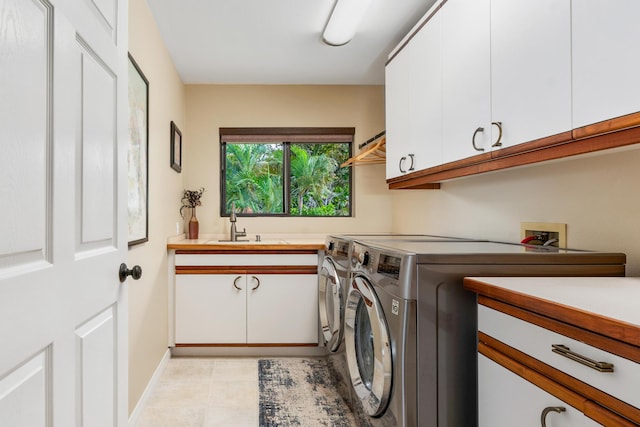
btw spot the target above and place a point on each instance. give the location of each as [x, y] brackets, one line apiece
[536, 342]
[239, 260]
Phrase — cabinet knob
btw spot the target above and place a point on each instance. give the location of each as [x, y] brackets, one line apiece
[545, 411]
[235, 283]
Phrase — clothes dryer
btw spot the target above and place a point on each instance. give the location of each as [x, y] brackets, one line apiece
[333, 286]
[410, 327]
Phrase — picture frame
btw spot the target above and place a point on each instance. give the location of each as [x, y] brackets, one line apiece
[176, 148]
[137, 156]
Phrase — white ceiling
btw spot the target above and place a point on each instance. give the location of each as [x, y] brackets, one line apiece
[278, 41]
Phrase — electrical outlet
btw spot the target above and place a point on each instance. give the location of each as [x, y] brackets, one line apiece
[554, 232]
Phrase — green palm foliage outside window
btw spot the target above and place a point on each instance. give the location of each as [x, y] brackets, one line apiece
[287, 178]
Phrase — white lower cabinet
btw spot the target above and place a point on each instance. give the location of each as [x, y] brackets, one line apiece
[209, 308]
[507, 400]
[282, 309]
[246, 309]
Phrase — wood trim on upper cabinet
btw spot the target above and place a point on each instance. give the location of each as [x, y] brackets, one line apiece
[614, 133]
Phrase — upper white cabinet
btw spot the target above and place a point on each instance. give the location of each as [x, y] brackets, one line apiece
[414, 104]
[606, 62]
[397, 113]
[530, 69]
[466, 79]
[508, 72]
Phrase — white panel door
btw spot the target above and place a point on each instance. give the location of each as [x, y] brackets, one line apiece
[63, 234]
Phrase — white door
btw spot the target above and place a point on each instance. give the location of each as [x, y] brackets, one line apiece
[63, 234]
[530, 69]
[466, 78]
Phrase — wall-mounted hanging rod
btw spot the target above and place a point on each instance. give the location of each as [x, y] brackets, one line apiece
[369, 141]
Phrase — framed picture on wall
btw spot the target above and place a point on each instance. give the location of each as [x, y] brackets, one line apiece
[137, 156]
[176, 148]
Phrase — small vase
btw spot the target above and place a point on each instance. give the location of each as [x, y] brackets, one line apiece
[194, 226]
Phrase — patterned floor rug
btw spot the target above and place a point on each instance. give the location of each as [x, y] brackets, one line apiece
[300, 392]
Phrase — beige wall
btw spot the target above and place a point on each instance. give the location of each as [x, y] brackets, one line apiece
[210, 107]
[148, 296]
[597, 197]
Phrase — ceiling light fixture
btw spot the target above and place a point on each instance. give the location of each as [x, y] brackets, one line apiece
[344, 20]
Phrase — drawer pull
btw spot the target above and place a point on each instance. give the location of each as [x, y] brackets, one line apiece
[545, 411]
[235, 283]
[565, 351]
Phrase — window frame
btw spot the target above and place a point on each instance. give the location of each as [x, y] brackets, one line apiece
[286, 137]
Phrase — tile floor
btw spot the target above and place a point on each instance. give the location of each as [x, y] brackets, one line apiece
[204, 392]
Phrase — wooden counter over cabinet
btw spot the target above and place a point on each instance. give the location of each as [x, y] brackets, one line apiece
[266, 244]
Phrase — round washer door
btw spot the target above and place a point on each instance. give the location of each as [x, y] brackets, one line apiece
[368, 347]
[330, 305]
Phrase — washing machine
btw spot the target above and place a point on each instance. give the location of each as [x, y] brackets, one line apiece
[410, 327]
[333, 286]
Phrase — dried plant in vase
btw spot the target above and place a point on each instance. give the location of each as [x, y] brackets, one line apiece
[191, 199]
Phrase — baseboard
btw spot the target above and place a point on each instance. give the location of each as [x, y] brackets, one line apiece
[135, 414]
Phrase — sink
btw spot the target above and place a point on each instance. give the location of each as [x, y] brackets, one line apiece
[248, 242]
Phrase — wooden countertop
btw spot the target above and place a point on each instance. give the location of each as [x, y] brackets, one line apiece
[611, 302]
[267, 243]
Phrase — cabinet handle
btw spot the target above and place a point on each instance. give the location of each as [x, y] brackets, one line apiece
[545, 411]
[473, 140]
[565, 351]
[235, 283]
[498, 143]
[411, 167]
[257, 280]
[402, 159]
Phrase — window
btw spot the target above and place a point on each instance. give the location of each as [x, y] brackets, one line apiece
[286, 171]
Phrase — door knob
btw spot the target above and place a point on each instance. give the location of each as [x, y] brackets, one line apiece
[135, 272]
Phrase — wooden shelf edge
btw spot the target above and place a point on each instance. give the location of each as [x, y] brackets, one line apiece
[609, 134]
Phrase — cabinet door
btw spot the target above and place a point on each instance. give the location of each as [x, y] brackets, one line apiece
[606, 64]
[466, 80]
[282, 308]
[397, 111]
[210, 309]
[530, 68]
[425, 96]
[507, 400]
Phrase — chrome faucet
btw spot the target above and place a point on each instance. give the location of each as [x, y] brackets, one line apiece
[232, 218]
